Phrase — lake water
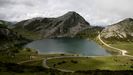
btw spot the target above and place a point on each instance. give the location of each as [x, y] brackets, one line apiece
[68, 46]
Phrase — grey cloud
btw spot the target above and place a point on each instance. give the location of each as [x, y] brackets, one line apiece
[5, 2]
[2, 16]
[98, 12]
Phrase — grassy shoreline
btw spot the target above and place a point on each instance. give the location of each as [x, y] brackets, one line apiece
[110, 50]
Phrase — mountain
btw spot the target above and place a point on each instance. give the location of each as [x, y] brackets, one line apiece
[122, 31]
[3, 23]
[7, 24]
[67, 25]
[5, 33]
[10, 40]
[91, 32]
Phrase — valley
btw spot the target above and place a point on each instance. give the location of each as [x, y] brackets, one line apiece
[66, 45]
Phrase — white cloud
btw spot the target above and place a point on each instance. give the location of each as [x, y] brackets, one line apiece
[98, 12]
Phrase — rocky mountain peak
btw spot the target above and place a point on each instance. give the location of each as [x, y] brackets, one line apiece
[128, 19]
[67, 25]
[69, 14]
[122, 30]
[72, 16]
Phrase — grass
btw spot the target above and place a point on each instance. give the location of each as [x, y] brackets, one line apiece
[30, 73]
[27, 34]
[110, 50]
[24, 56]
[128, 46]
[38, 62]
[34, 63]
[93, 63]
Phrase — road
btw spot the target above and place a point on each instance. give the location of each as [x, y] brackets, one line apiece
[64, 70]
[123, 52]
[22, 62]
[45, 61]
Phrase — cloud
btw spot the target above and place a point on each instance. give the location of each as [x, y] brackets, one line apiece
[97, 12]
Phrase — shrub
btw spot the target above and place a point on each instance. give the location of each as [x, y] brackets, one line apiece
[73, 61]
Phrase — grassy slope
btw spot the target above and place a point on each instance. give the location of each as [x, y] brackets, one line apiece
[110, 50]
[24, 55]
[21, 56]
[90, 33]
[128, 46]
[103, 63]
[27, 34]
[83, 63]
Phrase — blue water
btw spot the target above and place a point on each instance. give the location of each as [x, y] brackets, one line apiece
[68, 46]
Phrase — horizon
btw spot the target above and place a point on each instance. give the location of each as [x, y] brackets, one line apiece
[101, 13]
[66, 13]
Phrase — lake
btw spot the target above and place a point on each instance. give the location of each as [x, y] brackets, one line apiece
[68, 46]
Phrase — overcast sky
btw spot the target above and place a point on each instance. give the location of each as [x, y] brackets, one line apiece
[96, 12]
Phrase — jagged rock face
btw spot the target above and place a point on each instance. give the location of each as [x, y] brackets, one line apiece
[10, 39]
[6, 34]
[121, 30]
[6, 24]
[67, 25]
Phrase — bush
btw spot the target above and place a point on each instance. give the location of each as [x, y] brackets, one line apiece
[73, 61]
[131, 66]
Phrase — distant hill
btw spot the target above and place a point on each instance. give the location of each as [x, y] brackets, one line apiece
[5, 33]
[121, 31]
[3, 24]
[91, 32]
[10, 40]
[68, 25]
[7, 24]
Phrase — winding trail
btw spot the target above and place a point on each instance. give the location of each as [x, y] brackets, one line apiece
[123, 52]
[46, 66]
[64, 70]
[58, 57]
[26, 61]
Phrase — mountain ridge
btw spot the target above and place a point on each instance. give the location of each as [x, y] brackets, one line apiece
[122, 30]
[67, 25]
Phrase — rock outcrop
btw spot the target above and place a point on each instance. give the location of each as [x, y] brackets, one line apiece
[119, 31]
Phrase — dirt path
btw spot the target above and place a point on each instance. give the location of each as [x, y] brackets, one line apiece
[64, 70]
[123, 52]
[26, 61]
